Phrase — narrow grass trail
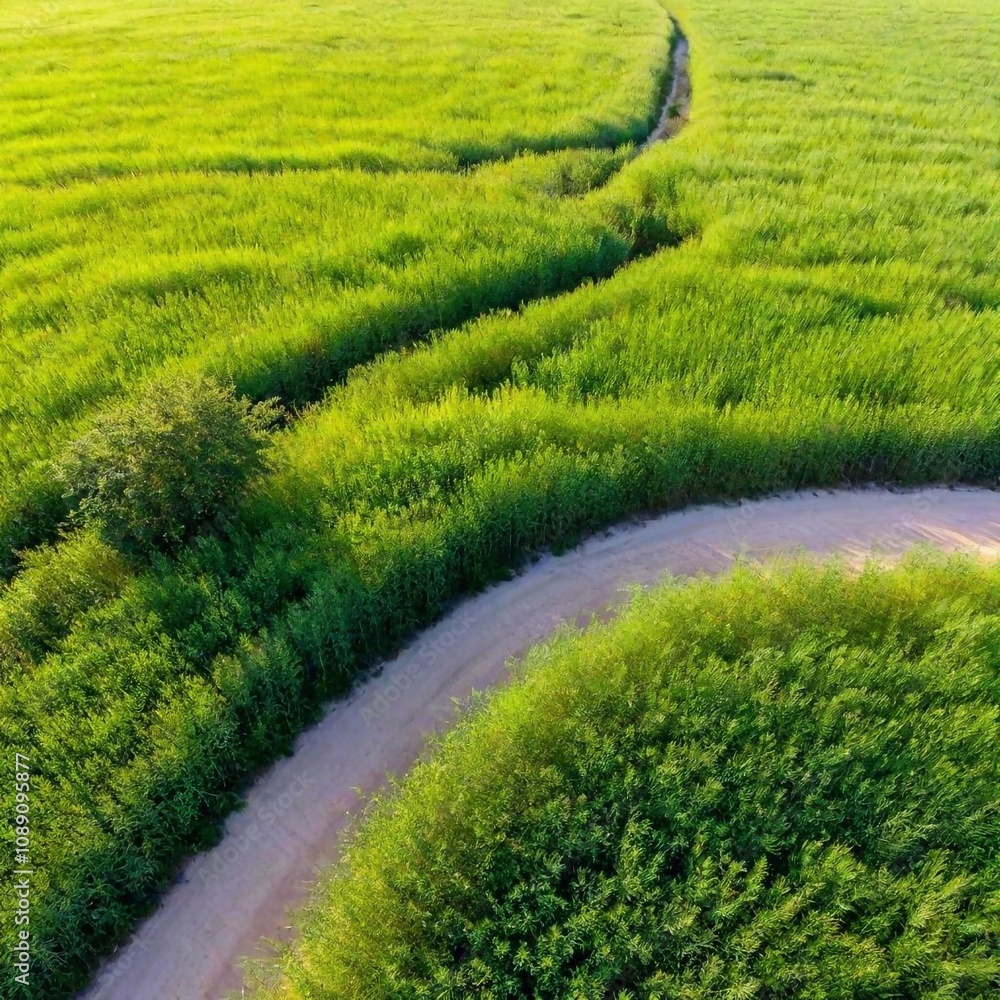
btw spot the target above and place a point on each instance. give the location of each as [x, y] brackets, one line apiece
[227, 899]
[677, 103]
[365, 300]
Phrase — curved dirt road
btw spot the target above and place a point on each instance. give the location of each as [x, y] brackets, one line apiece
[232, 896]
[188, 949]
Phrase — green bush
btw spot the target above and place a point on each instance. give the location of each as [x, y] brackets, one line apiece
[150, 473]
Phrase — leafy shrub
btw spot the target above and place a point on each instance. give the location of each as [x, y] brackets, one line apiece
[148, 474]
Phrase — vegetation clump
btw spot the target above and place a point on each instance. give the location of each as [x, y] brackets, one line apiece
[151, 472]
[54, 589]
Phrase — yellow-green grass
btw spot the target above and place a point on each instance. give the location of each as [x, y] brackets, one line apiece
[779, 785]
[92, 90]
[279, 282]
[831, 317]
[276, 191]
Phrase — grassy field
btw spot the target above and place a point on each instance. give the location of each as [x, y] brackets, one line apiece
[255, 87]
[822, 309]
[777, 786]
[193, 217]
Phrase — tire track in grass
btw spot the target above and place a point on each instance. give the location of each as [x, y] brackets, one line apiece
[229, 898]
[32, 516]
[677, 103]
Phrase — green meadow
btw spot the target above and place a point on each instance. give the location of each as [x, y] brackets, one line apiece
[490, 328]
[288, 193]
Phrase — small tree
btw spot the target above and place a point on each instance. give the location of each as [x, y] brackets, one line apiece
[151, 472]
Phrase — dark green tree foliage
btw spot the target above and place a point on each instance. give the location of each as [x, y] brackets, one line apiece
[779, 788]
[152, 472]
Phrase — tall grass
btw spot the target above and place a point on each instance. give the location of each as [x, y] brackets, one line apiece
[829, 319]
[94, 91]
[286, 194]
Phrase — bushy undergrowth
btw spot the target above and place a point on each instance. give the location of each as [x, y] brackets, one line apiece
[766, 787]
[830, 319]
[153, 472]
[56, 585]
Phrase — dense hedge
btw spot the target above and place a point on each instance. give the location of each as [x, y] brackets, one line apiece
[780, 786]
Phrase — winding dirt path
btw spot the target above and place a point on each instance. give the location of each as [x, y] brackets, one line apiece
[220, 909]
[677, 104]
[231, 897]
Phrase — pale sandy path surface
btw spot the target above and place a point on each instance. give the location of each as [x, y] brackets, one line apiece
[239, 892]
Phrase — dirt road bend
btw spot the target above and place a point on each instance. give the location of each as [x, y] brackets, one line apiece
[233, 896]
